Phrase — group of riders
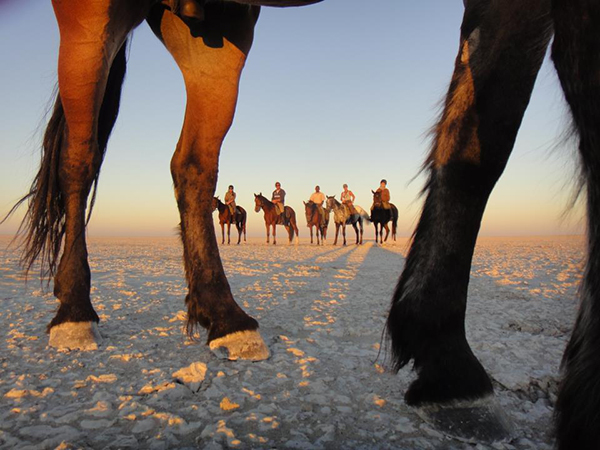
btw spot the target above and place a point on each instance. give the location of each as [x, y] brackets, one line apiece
[318, 198]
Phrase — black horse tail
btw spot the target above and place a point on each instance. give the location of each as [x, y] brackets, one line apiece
[42, 229]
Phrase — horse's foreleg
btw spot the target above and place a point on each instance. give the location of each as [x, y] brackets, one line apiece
[211, 75]
[274, 234]
[222, 232]
[575, 53]
[387, 232]
[228, 233]
[355, 226]
[337, 230]
[85, 112]
[311, 235]
[490, 90]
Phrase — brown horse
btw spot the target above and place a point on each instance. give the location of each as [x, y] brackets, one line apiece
[211, 49]
[272, 218]
[313, 219]
[225, 217]
[380, 217]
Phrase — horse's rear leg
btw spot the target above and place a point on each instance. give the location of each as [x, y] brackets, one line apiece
[86, 54]
[387, 232]
[211, 65]
[575, 53]
[501, 50]
[228, 233]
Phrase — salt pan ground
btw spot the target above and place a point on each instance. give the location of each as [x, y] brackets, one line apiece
[321, 310]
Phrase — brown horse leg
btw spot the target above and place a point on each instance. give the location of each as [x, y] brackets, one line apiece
[274, 234]
[387, 232]
[228, 233]
[268, 227]
[222, 232]
[311, 235]
[86, 54]
[211, 75]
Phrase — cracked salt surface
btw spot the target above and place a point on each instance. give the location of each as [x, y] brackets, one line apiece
[321, 311]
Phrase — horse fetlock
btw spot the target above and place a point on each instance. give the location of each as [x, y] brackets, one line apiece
[449, 371]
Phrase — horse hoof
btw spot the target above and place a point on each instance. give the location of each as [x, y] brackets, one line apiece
[479, 421]
[75, 336]
[247, 345]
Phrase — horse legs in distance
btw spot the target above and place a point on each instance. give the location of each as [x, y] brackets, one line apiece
[211, 59]
[85, 112]
[501, 49]
[575, 53]
[355, 226]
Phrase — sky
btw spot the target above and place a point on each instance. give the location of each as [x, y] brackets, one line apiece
[343, 91]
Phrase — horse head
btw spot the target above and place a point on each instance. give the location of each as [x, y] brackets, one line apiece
[376, 198]
[215, 203]
[258, 201]
[330, 201]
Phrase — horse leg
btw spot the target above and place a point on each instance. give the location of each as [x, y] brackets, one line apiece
[344, 232]
[355, 226]
[222, 232]
[387, 232]
[228, 233]
[337, 230]
[238, 226]
[575, 53]
[211, 73]
[274, 235]
[84, 115]
[311, 235]
[489, 92]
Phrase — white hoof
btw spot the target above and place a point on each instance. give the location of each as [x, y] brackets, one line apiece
[240, 345]
[75, 336]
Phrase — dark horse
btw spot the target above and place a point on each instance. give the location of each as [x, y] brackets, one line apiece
[343, 217]
[225, 217]
[313, 219]
[273, 218]
[501, 48]
[380, 217]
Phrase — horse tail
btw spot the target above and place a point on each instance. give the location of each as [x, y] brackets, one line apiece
[43, 226]
[394, 221]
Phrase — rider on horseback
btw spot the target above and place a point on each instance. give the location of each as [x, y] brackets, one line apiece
[230, 201]
[318, 198]
[347, 198]
[278, 198]
[385, 195]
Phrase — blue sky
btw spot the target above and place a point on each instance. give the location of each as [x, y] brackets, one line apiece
[339, 92]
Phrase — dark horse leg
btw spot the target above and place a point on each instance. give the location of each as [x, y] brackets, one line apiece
[501, 49]
[211, 58]
[92, 36]
[355, 226]
[576, 51]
